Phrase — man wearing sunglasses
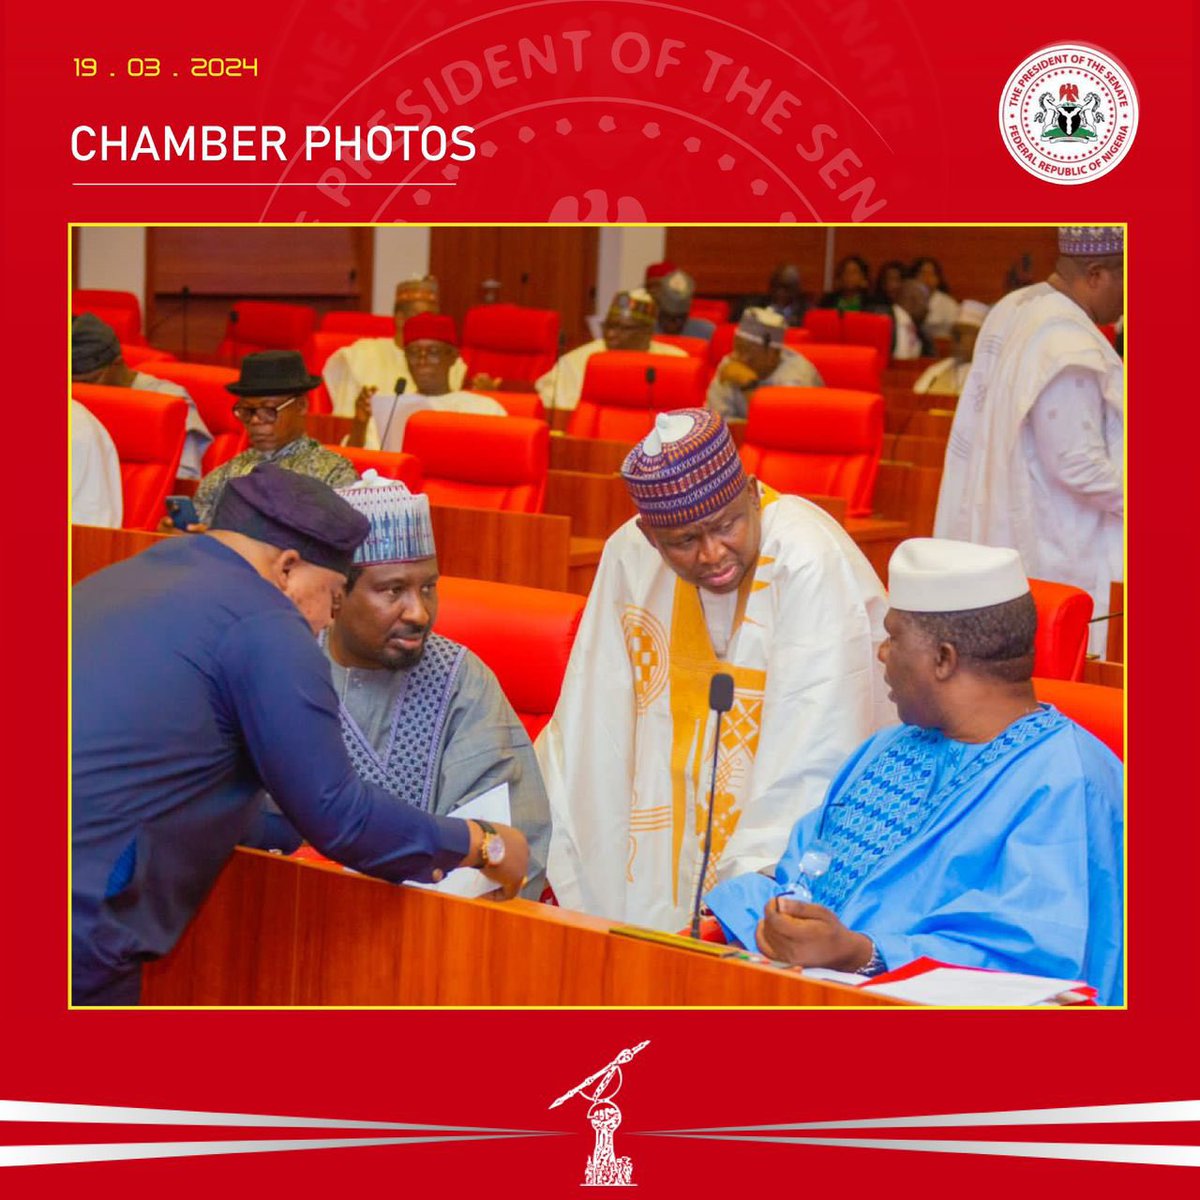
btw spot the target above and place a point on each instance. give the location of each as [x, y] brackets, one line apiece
[272, 400]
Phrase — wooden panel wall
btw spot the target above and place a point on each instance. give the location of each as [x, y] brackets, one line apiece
[976, 259]
[537, 266]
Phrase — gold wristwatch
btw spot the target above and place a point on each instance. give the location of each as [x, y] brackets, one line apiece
[492, 849]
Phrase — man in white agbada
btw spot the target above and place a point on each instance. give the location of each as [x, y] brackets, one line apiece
[1034, 459]
[431, 351]
[948, 376]
[629, 325]
[376, 363]
[717, 574]
[96, 497]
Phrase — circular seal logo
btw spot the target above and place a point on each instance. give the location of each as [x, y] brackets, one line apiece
[1068, 113]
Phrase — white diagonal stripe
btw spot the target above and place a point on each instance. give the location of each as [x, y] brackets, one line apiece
[32, 1156]
[1169, 1156]
[104, 1114]
[1095, 1114]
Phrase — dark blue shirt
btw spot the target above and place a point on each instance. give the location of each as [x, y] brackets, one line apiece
[195, 684]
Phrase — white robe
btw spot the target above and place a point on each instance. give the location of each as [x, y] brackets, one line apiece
[561, 386]
[394, 422]
[943, 312]
[96, 497]
[627, 757]
[1034, 459]
[372, 362]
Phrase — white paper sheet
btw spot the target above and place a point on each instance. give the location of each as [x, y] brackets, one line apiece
[948, 986]
[391, 415]
[492, 805]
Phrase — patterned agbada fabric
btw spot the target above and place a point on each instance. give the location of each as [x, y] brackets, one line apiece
[1006, 854]
[304, 455]
[627, 757]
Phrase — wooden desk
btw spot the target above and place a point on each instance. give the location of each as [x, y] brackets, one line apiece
[593, 455]
[877, 537]
[476, 543]
[93, 547]
[279, 932]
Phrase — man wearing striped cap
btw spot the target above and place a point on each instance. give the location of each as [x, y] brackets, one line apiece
[422, 717]
[718, 573]
[1035, 457]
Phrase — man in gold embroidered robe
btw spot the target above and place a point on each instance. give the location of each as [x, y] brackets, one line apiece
[718, 574]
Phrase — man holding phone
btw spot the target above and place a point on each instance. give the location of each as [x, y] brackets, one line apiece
[196, 684]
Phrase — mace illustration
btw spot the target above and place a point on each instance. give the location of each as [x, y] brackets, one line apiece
[604, 1168]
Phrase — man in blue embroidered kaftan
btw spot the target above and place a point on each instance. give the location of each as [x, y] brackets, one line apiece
[421, 715]
[986, 831]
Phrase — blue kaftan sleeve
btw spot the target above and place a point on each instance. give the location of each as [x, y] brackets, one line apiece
[275, 682]
[739, 903]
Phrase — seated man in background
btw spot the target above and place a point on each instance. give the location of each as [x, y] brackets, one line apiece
[422, 717]
[272, 395]
[96, 496]
[377, 363]
[718, 573]
[675, 306]
[784, 295]
[758, 359]
[96, 358]
[985, 831]
[196, 682]
[629, 325]
[431, 350]
[908, 316]
[947, 376]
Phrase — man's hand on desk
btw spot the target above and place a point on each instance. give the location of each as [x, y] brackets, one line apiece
[808, 935]
[509, 872]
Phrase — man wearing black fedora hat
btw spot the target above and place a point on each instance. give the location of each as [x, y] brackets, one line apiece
[272, 400]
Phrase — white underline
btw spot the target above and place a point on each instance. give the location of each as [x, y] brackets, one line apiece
[262, 183]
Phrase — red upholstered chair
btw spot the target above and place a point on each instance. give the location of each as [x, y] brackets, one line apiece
[796, 337]
[868, 329]
[134, 355]
[319, 346]
[360, 324]
[617, 402]
[206, 385]
[509, 342]
[825, 325]
[705, 308]
[1063, 613]
[518, 404]
[121, 310]
[693, 346]
[855, 367]
[816, 441]
[404, 467]
[720, 344]
[1110, 332]
[524, 634]
[147, 430]
[265, 325]
[1100, 710]
[481, 462]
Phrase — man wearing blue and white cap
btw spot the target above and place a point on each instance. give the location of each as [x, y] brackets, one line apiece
[717, 574]
[196, 683]
[758, 359]
[985, 831]
[422, 716]
[1035, 457]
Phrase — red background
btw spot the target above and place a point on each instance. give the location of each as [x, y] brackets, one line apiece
[928, 79]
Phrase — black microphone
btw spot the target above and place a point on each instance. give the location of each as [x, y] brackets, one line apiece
[401, 384]
[651, 376]
[720, 700]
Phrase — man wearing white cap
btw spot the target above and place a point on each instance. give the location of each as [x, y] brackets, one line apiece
[947, 376]
[985, 831]
[422, 716]
[758, 359]
[629, 325]
[1034, 459]
[718, 574]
